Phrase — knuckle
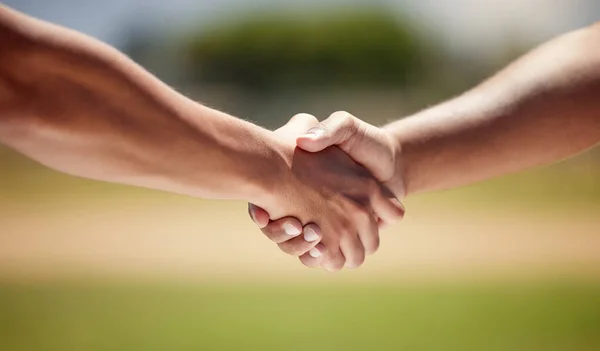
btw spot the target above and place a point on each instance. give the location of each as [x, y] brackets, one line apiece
[372, 244]
[357, 260]
[341, 115]
[309, 261]
[376, 242]
[334, 267]
[305, 117]
[354, 252]
[346, 121]
[335, 262]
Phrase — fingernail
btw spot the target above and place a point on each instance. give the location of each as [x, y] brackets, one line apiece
[253, 216]
[290, 229]
[310, 235]
[315, 133]
[314, 253]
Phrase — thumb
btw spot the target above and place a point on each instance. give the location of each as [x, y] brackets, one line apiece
[335, 130]
[297, 125]
[368, 145]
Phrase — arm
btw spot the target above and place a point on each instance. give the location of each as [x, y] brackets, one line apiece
[81, 107]
[541, 109]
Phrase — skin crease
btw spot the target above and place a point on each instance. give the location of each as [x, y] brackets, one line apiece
[80, 107]
[542, 108]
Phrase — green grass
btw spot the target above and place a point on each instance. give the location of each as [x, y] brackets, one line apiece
[328, 316]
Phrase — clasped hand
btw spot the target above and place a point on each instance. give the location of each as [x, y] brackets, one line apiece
[329, 207]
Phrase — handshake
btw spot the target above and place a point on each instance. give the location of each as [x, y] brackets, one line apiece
[343, 183]
[320, 191]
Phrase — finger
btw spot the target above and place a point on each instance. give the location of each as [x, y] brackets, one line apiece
[315, 256]
[335, 130]
[334, 260]
[368, 233]
[283, 229]
[353, 251]
[381, 224]
[368, 145]
[302, 244]
[297, 125]
[387, 207]
[258, 215]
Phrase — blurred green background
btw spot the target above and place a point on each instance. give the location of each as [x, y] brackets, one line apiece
[509, 264]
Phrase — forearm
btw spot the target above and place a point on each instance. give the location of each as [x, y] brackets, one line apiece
[79, 106]
[541, 109]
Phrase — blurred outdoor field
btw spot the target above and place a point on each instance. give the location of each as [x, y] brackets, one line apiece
[512, 264]
[509, 264]
[276, 316]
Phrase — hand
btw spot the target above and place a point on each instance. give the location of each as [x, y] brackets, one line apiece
[364, 200]
[285, 232]
[374, 148]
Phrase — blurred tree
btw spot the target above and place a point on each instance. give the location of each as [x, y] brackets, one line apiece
[278, 51]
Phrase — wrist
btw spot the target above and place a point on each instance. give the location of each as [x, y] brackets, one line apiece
[413, 137]
[269, 177]
[397, 181]
[224, 158]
